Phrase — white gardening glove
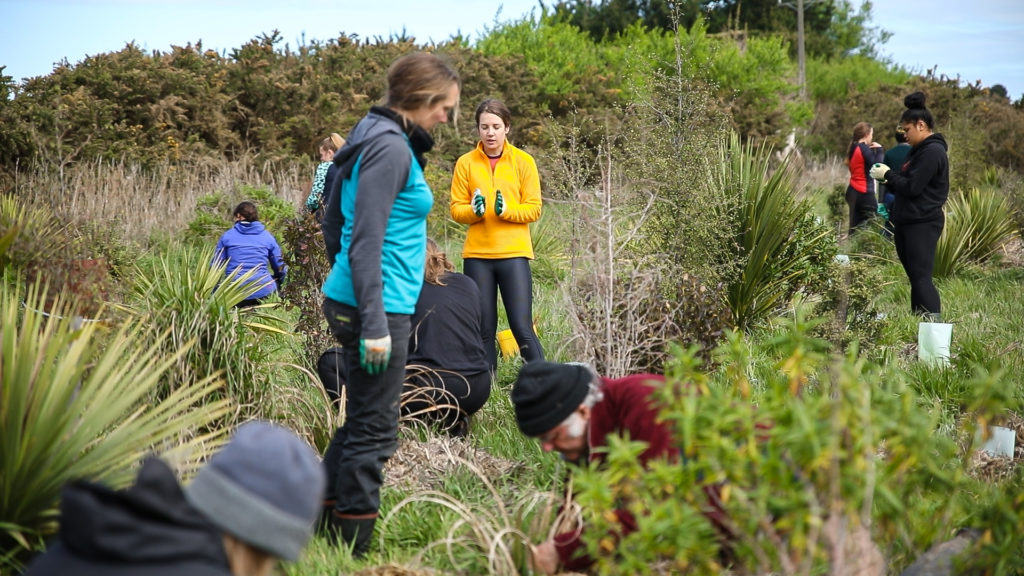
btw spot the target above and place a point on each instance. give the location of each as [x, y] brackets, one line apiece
[879, 171]
[479, 203]
[374, 354]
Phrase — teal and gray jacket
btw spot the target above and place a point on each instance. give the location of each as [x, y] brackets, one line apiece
[375, 225]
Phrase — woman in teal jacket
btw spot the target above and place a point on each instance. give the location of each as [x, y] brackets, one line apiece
[375, 230]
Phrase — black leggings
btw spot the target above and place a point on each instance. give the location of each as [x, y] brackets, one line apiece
[512, 277]
[862, 207]
[915, 246]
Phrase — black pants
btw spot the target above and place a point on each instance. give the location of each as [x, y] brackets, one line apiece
[915, 246]
[512, 276]
[369, 436]
[863, 207]
[426, 388]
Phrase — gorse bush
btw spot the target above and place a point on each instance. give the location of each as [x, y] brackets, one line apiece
[215, 212]
[978, 224]
[77, 402]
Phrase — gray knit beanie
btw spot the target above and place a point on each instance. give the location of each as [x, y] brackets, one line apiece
[264, 488]
[546, 393]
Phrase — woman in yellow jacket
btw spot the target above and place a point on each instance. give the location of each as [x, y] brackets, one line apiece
[496, 190]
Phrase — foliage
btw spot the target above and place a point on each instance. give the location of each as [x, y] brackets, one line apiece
[478, 541]
[758, 80]
[575, 75]
[778, 242]
[835, 80]
[183, 298]
[306, 257]
[75, 403]
[978, 224]
[824, 445]
[61, 256]
[35, 234]
[832, 28]
[214, 212]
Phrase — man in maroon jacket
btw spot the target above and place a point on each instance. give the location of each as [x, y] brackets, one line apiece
[572, 410]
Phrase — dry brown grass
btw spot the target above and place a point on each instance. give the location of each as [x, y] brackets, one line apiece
[162, 199]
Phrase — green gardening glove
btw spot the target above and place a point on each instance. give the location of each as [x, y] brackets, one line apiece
[499, 203]
[374, 354]
[479, 203]
[883, 211]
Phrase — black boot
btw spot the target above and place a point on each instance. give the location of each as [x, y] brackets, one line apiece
[354, 532]
[323, 524]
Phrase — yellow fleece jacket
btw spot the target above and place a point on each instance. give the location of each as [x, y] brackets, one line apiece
[515, 174]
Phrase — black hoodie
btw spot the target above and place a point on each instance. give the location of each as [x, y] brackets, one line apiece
[149, 529]
[921, 185]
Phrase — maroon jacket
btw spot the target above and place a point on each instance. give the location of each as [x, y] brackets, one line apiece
[626, 406]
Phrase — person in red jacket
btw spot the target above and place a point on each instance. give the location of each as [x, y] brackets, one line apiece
[860, 193]
[573, 411]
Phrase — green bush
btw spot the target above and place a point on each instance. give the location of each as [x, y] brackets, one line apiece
[215, 212]
[817, 447]
[183, 298]
[781, 246]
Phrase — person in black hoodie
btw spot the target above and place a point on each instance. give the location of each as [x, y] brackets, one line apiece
[447, 374]
[921, 187]
[255, 501]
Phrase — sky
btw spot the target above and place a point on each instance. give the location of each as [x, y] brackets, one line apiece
[979, 39]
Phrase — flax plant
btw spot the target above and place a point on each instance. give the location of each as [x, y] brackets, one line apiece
[75, 404]
[185, 298]
[776, 243]
[978, 224]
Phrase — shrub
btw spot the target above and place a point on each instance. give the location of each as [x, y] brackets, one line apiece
[977, 225]
[820, 449]
[306, 257]
[214, 212]
[77, 405]
[781, 246]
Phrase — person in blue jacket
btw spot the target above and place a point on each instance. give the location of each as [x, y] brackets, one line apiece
[247, 246]
[375, 230]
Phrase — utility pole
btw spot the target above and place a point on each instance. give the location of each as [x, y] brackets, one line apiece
[801, 58]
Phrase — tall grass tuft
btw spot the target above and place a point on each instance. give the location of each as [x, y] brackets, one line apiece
[978, 224]
[184, 298]
[160, 200]
[75, 403]
[501, 535]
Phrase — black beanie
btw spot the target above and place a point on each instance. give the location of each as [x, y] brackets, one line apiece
[546, 393]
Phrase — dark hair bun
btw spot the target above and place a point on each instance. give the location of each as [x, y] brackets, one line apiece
[915, 100]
